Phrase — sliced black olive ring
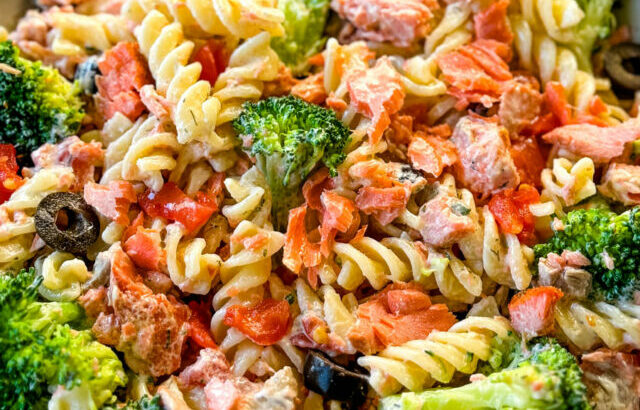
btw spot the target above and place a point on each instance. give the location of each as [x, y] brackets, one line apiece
[622, 64]
[66, 222]
[333, 381]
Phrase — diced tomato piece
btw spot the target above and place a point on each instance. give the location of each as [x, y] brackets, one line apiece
[532, 311]
[511, 210]
[9, 179]
[506, 212]
[171, 203]
[265, 324]
[213, 57]
[199, 327]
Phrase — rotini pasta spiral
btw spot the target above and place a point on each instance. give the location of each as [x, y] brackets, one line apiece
[566, 184]
[250, 66]
[542, 47]
[252, 199]
[194, 110]
[247, 267]
[419, 363]
[238, 18]
[190, 268]
[63, 275]
[337, 315]
[591, 324]
[75, 34]
[141, 154]
[378, 262]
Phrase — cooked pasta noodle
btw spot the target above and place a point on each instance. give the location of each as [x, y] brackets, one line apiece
[252, 199]
[77, 34]
[141, 154]
[378, 262]
[190, 268]
[420, 363]
[591, 324]
[239, 18]
[63, 275]
[194, 111]
[567, 184]
[251, 65]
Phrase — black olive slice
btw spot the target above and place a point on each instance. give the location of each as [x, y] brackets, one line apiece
[622, 64]
[333, 381]
[86, 73]
[66, 222]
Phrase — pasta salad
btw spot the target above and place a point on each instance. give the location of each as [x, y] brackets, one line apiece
[320, 204]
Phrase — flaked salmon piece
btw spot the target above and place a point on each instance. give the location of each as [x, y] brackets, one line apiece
[520, 105]
[124, 72]
[400, 22]
[532, 311]
[339, 214]
[401, 129]
[386, 204]
[299, 251]
[492, 23]
[483, 54]
[601, 144]
[485, 165]
[111, 200]
[314, 186]
[145, 249]
[399, 313]
[376, 93]
[311, 89]
[150, 329]
[445, 219]
[431, 154]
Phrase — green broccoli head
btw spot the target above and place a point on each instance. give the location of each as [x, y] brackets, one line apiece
[596, 25]
[304, 26]
[544, 376]
[39, 104]
[594, 231]
[40, 348]
[289, 138]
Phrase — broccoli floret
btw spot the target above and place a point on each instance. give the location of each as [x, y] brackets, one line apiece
[594, 231]
[289, 138]
[145, 403]
[545, 376]
[596, 25]
[38, 104]
[303, 26]
[40, 349]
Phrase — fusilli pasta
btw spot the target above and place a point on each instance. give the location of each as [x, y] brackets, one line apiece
[420, 363]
